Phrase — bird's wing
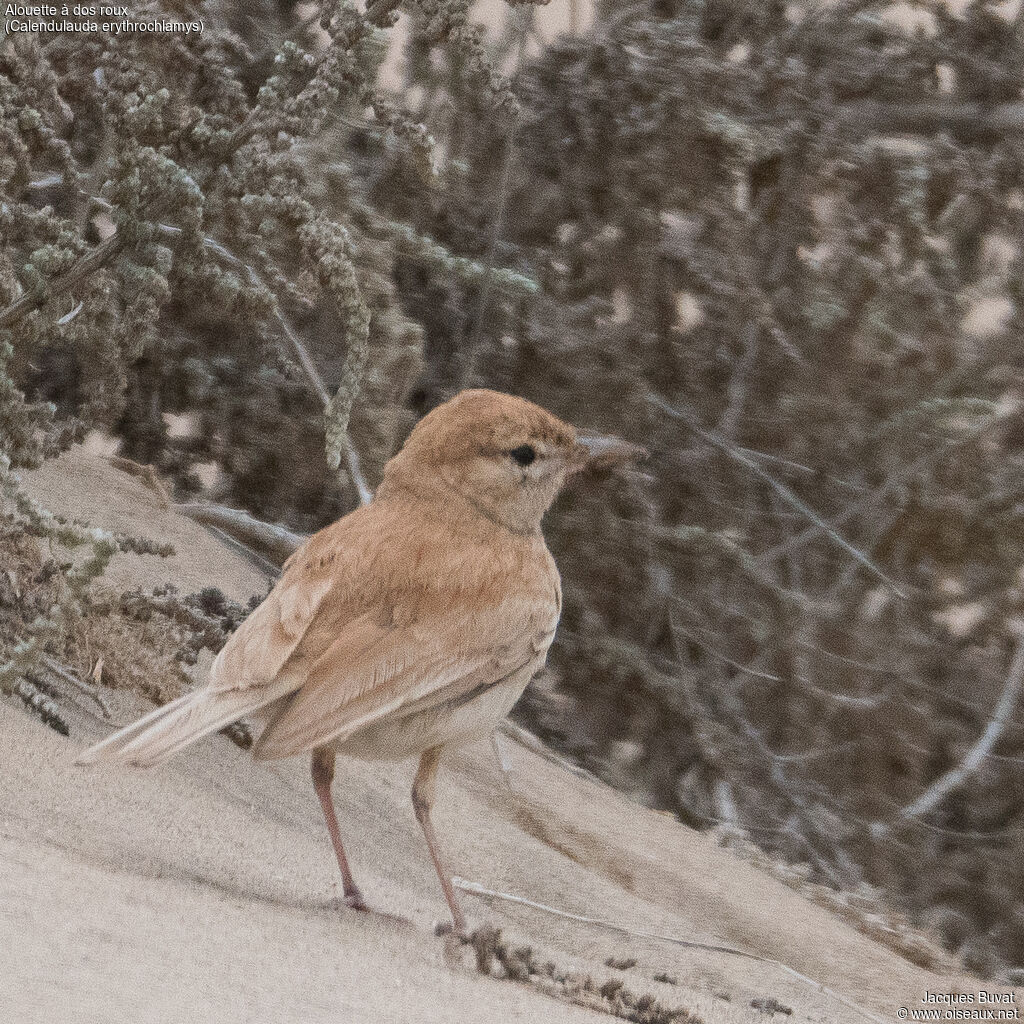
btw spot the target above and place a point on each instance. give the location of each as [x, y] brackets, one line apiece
[449, 647]
[258, 651]
[252, 671]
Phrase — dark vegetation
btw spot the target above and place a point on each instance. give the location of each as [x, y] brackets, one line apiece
[781, 249]
[498, 958]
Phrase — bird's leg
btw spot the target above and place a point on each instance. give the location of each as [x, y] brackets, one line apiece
[423, 789]
[323, 775]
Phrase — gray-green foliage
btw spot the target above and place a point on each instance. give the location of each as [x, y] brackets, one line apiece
[221, 182]
[35, 624]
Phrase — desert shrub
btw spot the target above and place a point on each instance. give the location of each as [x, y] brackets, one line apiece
[177, 210]
[189, 252]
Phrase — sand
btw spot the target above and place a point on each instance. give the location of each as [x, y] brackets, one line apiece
[206, 891]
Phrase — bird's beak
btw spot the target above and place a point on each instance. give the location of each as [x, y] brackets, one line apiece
[596, 452]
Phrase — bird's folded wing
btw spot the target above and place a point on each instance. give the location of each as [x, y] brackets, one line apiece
[256, 653]
[252, 671]
[449, 649]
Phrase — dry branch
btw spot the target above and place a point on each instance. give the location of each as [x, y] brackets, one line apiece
[491, 894]
[900, 476]
[497, 226]
[964, 120]
[147, 474]
[956, 777]
[781, 489]
[68, 676]
[87, 264]
[526, 739]
[277, 541]
[299, 350]
[739, 384]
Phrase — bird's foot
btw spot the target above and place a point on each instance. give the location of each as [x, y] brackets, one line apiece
[354, 901]
[456, 928]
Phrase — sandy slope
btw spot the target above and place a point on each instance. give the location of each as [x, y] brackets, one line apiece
[203, 890]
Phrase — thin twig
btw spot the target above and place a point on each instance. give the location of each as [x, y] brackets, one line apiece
[890, 482]
[498, 223]
[479, 890]
[146, 473]
[305, 360]
[71, 314]
[956, 777]
[739, 383]
[270, 569]
[746, 669]
[802, 468]
[278, 541]
[781, 489]
[526, 739]
[302, 357]
[967, 120]
[497, 226]
[866, 666]
[83, 687]
[91, 261]
[874, 701]
[233, 527]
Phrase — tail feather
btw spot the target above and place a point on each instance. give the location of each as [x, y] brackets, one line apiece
[162, 733]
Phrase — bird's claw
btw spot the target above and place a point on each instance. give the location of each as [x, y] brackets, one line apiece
[456, 928]
[355, 901]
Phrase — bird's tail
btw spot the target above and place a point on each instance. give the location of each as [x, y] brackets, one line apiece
[162, 733]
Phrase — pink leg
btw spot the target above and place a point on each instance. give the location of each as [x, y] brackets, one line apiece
[423, 789]
[323, 776]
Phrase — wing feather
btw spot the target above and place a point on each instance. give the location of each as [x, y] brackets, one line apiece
[434, 660]
[258, 650]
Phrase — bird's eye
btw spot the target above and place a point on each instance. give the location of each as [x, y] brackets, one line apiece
[523, 455]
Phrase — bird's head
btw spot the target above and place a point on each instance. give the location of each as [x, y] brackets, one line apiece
[506, 456]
